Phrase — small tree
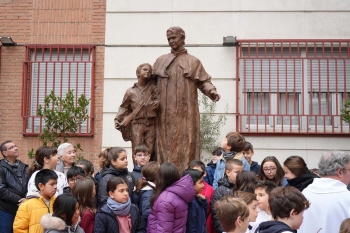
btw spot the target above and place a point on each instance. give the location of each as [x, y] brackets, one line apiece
[345, 112]
[63, 117]
[210, 123]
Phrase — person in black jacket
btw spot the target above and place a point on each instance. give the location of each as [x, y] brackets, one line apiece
[144, 192]
[248, 153]
[118, 214]
[115, 163]
[297, 173]
[13, 184]
[225, 187]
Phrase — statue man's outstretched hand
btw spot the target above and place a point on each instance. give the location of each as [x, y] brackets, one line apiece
[214, 96]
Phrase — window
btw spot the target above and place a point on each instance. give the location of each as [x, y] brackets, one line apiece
[58, 68]
[293, 87]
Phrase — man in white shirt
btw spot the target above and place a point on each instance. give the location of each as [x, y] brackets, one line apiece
[329, 197]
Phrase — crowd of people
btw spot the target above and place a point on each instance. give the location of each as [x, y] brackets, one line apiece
[233, 193]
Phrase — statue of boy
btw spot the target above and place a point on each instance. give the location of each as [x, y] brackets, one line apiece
[137, 113]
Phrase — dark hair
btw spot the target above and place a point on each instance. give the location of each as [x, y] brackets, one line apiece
[149, 173]
[40, 154]
[245, 181]
[141, 148]
[43, 176]
[282, 200]
[236, 141]
[248, 146]
[194, 174]
[196, 163]
[113, 183]
[82, 190]
[246, 196]
[111, 153]
[3, 146]
[267, 185]
[87, 166]
[217, 151]
[65, 205]
[345, 226]
[296, 165]
[168, 174]
[279, 173]
[231, 161]
[75, 171]
[228, 209]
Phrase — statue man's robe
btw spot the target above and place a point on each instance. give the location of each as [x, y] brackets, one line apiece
[178, 124]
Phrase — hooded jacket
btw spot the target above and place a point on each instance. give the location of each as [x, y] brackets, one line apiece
[225, 189]
[137, 172]
[210, 169]
[197, 215]
[255, 167]
[11, 188]
[274, 227]
[170, 210]
[29, 214]
[106, 221]
[107, 174]
[53, 224]
[302, 181]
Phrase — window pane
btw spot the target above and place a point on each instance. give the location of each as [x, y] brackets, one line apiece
[288, 105]
[257, 104]
[321, 104]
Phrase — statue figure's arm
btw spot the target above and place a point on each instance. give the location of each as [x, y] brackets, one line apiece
[124, 109]
[155, 100]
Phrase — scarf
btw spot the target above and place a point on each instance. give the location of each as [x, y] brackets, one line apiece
[118, 208]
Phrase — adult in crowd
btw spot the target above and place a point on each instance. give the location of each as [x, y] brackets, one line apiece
[66, 153]
[13, 184]
[297, 173]
[329, 197]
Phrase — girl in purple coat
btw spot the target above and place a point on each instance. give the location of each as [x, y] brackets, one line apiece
[170, 201]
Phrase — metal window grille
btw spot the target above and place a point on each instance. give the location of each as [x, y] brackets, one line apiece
[60, 68]
[292, 86]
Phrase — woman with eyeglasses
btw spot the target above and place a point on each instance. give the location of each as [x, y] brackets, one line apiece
[297, 173]
[272, 170]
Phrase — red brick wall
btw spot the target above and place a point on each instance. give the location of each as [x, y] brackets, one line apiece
[47, 22]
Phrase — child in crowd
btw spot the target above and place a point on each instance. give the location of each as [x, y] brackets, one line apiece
[144, 191]
[197, 209]
[262, 192]
[248, 153]
[45, 158]
[287, 206]
[233, 214]
[74, 173]
[65, 216]
[272, 170]
[169, 204]
[245, 181]
[115, 163]
[207, 191]
[226, 185]
[89, 172]
[141, 158]
[30, 212]
[118, 214]
[211, 166]
[84, 191]
[232, 147]
[252, 203]
[345, 226]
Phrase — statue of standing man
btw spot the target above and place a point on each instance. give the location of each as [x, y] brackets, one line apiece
[178, 75]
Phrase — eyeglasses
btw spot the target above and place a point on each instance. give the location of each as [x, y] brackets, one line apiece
[11, 147]
[269, 169]
[142, 155]
[73, 180]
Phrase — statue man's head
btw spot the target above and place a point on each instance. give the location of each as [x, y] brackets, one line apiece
[176, 37]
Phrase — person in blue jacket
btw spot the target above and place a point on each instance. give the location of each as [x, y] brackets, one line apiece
[248, 153]
[211, 166]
